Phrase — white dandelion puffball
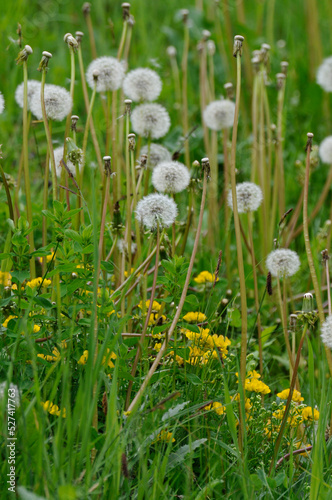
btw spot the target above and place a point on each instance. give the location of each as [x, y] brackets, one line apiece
[219, 114]
[326, 330]
[58, 155]
[283, 262]
[170, 177]
[249, 197]
[2, 103]
[123, 246]
[325, 150]
[324, 74]
[150, 120]
[13, 393]
[33, 88]
[110, 73]
[157, 154]
[142, 84]
[156, 209]
[58, 103]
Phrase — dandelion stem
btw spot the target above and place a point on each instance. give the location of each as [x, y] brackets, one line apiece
[181, 303]
[308, 247]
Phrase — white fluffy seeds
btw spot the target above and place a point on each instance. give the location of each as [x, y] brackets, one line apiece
[157, 154]
[170, 177]
[150, 120]
[156, 209]
[219, 114]
[325, 150]
[58, 103]
[33, 88]
[324, 74]
[326, 330]
[58, 155]
[249, 197]
[110, 73]
[142, 84]
[283, 262]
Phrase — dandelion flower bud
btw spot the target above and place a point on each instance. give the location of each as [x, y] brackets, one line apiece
[170, 177]
[283, 262]
[142, 84]
[219, 114]
[324, 74]
[326, 330]
[156, 209]
[58, 156]
[158, 154]
[111, 74]
[249, 197]
[33, 87]
[58, 103]
[150, 120]
[325, 150]
[2, 103]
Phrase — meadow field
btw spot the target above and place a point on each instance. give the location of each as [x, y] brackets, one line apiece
[165, 230]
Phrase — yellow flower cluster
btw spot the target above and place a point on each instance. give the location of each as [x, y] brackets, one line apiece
[205, 346]
[217, 407]
[48, 258]
[253, 384]
[37, 282]
[5, 323]
[5, 278]
[194, 317]
[164, 436]
[53, 409]
[247, 403]
[296, 397]
[108, 358]
[297, 415]
[178, 359]
[204, 277]
[56, 355]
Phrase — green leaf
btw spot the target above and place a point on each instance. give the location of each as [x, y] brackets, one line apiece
[179, 456]
[20, 276]
[235, 318]
[107, 266]
[74, 235]
[266, 333]
[193, 379]
[192, 300]
[4, 256]
[49, 215]
[43, 302]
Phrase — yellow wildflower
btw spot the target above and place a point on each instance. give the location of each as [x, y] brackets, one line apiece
[153, 319]
[155, 305]
[194, 317]
[36, 328]
[255, 385]
[217, 407]
[204, 277]
[247, 403]
[157, 347]
[53, 409]
[296, 395]
[310, 414]
[37, 282]
[48, 258]
[108, 358]
[5, 323]
[164, 436]
[253, 374]
[5, 278]
[48, 357]
[84, 358]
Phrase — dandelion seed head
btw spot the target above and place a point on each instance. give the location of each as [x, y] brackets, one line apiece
[150, 120]
[219, 114]
[249, 197]
[123, 246]
[58, 103]
[324, 74]
[325, 150]
[170, 177]
[33, 87]
[58, 156]
[2, 103]
[156, 209]
[158, 154]
[111, 73]
[283, 262]
[326, 330]
[142, 84]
